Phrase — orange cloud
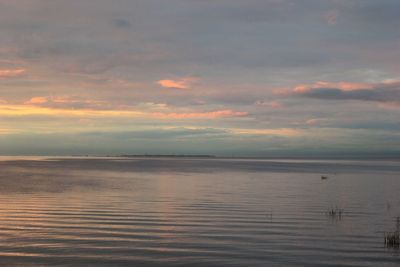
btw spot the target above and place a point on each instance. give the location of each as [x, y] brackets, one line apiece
[43, 106]
[183, 83]
[6, 131]
[37, 100]
[345, 86]
[11, 73]
[31, 110]
[202, 115]
[70, 102]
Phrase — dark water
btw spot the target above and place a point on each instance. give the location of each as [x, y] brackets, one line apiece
[196, 212]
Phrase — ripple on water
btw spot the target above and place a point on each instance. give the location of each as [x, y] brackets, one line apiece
[222, 218]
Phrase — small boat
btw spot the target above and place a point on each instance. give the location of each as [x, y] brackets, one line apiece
[324, 177]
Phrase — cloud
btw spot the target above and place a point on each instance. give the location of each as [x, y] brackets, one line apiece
[270, 104]
[386, 92]
[75, 106]
[313, 122]
[161, 133]
[226, 113]
[71, 102]
[183, 83]
[11, 73]
[5, 131]
[289, 132]
[121, 23]
[37, 100]
[345, 86]
[193, 132]
[34, 110]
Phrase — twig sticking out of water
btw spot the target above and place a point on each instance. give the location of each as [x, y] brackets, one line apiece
[392, 239]
[335, 213]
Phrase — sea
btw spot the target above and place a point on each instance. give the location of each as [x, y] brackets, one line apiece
[177, 211]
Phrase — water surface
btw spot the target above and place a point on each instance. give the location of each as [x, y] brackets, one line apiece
[196, 212]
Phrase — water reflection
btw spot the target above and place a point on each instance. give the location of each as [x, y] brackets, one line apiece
[157, 212]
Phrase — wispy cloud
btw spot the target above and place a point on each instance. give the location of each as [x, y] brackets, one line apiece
[183, 83]
[70, 107]
[289, 132]
[344, 86]
[32, 110]
[11, 73]
[226, 113]
[71, 102]
[270, 104]
[162, 133]
[313, 122]
[5, 131]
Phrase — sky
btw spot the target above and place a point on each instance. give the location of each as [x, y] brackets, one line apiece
[221, 77]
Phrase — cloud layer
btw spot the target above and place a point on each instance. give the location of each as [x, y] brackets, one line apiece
[233, 77]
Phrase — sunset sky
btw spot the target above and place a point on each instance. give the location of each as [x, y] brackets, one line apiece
[223, 77]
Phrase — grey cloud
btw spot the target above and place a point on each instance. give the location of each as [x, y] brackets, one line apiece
[375, 12]
[250, 34]
[381, 93]
[122, 23]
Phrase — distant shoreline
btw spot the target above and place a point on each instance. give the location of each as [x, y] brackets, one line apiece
[205, 156]
[350, 157]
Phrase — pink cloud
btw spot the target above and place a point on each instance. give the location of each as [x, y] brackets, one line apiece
[202, 115]
[71, 102]
[345, 86]
[183, 83]
[11, 73]
[390, 105]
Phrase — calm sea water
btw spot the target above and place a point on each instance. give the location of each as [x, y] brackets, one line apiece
[196, 212]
